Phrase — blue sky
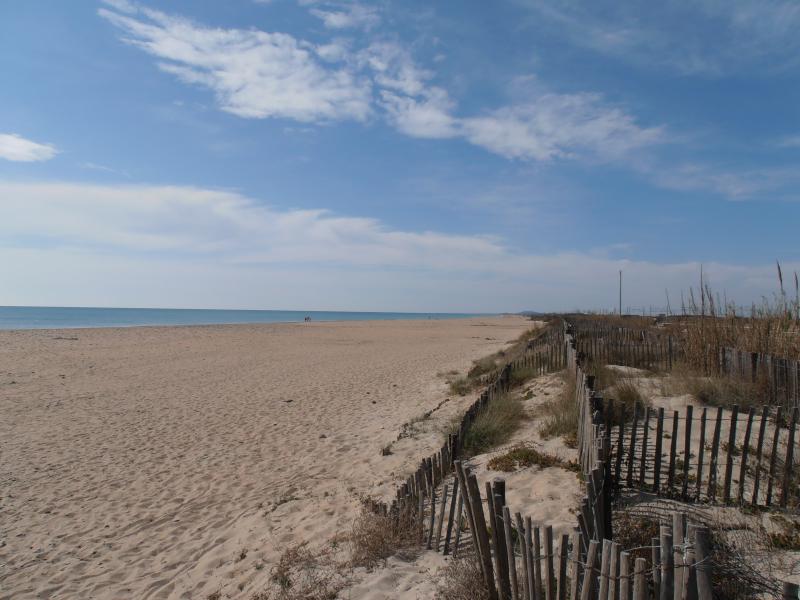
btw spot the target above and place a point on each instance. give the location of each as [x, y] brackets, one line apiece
[469, 156]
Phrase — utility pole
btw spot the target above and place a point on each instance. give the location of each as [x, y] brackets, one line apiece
[620, 292]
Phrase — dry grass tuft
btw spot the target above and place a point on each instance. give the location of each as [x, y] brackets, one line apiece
[715, 391]
[561, 416]
[375, 538]
[460, 386]
[525, 455]
[461, 579]
[520, 375]
[494, 424]
[301, 575]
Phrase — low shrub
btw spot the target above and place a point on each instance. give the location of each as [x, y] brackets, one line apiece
[461, 579]
[525, 455]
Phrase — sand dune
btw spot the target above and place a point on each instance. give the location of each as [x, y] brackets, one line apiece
[176, 462]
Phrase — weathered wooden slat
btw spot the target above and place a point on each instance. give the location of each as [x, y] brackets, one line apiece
[667, 575]
[512, 562]
[702, 550]
[726, 491]
[442, 508]
[575, 572]
[550, 577]
[588, 573]
[700, 454]
[521, 536]
[605, 567]
[451, 517]
[632, 446]
[658, 441]
[712, 466]
[639, 581]
[563, 558]
[643, 463]
[538, 582]
[687, 450]
[745, 453]
[774, 456]
[762, 428]
[484, 552]
[532, 593]
[625, 587]
[613, 572]
[673, 451]
[789, 462]
[498, 541]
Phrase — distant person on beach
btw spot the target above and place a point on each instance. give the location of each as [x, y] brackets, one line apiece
[307, 319]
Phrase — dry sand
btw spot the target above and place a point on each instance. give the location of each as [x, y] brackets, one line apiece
[176, 462]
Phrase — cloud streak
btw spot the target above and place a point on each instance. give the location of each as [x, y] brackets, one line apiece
[16, 148]
[173, 244]
[714, 37]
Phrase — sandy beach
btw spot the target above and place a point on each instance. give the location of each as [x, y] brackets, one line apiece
[174, 462]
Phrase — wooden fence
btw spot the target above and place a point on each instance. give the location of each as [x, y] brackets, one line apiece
[655, 350]
[522, 560]
[709, 454]
[614, 345]
[781, 375]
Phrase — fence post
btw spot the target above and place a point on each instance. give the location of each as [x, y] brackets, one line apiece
[702, 550]
[624, 576]
[666, 563]
[588, 572]
[639, 581]
[789, 591]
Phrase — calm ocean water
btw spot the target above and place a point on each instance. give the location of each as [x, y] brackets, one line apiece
[53, 317]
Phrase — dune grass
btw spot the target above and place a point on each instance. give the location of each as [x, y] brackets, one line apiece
[561, 416]
[494, 424]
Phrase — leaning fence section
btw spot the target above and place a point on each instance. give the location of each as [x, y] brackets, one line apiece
[717, 455]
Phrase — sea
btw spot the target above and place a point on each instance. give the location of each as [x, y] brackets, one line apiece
[57, 317]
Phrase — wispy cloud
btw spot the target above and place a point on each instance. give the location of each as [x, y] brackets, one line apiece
[731, 183]
[257, 74]
[345, 15]
[254, 74]
[708, 37]
[789, 141]
[18, 149]
[560, 126]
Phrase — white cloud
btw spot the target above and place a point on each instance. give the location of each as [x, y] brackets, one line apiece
[557, 126]
[394, 68]
[345, 15]
[16, 148]
[254, 74]
[425, 117]
[199, 221]
[193, 247]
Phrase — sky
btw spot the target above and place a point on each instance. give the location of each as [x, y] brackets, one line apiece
[397, 155]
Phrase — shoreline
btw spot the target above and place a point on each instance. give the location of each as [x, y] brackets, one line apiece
[296, 317]
[258, 323]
